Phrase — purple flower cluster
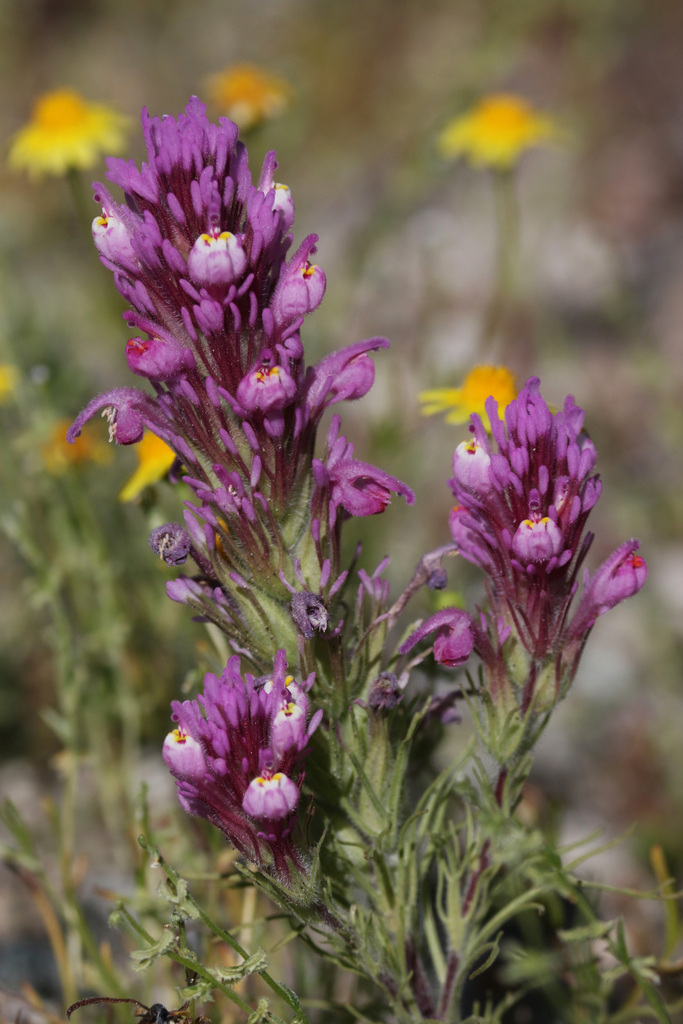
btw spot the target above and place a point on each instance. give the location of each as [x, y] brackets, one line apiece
[200, 254]
[523, 499]
[235, 753]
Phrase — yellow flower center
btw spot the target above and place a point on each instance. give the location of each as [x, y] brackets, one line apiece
[263, 374]
[60, 110]
[179, 736]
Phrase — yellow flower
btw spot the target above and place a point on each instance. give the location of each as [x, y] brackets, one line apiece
[66, 132]
[59, 456]
[9, 378]
[249, 95]
[479, 384]
[155, 459]
[496, 132]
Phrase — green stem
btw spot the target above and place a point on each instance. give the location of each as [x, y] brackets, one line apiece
[285, 994]
[507, 256]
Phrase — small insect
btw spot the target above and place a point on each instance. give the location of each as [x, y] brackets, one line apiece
[154, 1014]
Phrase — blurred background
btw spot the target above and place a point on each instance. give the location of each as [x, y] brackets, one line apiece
[410, 243]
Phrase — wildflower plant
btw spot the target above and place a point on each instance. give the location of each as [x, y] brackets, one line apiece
[310, 749]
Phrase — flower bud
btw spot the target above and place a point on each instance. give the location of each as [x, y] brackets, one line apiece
[155, 359]
[283, 202]
[472, 467]
[113, 240]
[268, 388]
[537, 541]
[288, 729]
[270, 797]
[217, 260]
[453, 642]
[184, 756]
[301, 287]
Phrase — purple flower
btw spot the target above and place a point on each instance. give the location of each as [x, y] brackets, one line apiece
[301, 286]
[453, 640]
[217, 259]
[620, 576]
[201, 254]
[344, 375]
[523, 502]
[267, 388]
[236, 752]
[270, 797]
[359, 488]
[156, 359]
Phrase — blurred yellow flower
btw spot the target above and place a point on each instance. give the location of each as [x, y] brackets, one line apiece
[479, 384]
[495, 132]
[9, 378]
[65, 131]
[248, 94]
[155, 459]
[59, 456]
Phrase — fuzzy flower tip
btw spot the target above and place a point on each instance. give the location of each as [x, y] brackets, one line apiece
[65, 132]
[248, 94]
[481, 382]
[496, 132]
[155, 458]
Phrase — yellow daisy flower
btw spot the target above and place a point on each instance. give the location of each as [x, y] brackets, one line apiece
[155, 459]
[59, 456]
[9, 378]
[479, 384]
[248, 94]
[65, 131]
[496, 132]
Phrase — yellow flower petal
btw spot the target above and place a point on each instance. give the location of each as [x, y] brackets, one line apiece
[9, 378]
[496, 132]
[480, 383]
[248, 94]
[65, 131]
[155, 458]
[59, 456]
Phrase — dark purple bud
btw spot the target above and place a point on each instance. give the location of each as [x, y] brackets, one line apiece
[170, 542]
[438, 579]
[309, 614]
[385, 693]
[453, 641]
